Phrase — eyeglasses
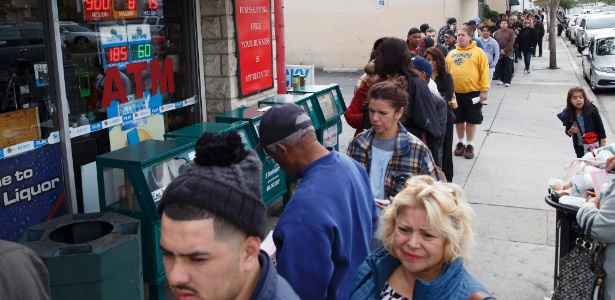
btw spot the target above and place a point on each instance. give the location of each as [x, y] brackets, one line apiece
[438, 186]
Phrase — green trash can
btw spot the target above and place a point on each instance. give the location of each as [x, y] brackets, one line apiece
[131, 181]
[90, 256]
[330, 103]
[273, 178]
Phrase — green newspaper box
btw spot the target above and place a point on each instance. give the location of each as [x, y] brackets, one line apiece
[271, 171]
[330, 102]
[131, 181]
[273, 179]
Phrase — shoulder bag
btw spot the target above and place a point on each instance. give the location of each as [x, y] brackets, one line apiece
[581, 272]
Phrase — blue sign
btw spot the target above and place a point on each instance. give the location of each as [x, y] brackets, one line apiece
[31, 190]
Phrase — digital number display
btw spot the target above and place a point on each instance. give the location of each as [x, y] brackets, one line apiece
[124, 5]
[116, 54]
[97, 5]
[141, 51]
[152, 4]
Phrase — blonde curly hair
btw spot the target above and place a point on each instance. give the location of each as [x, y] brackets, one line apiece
[448, 214]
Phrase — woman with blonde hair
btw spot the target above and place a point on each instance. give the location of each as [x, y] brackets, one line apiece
[426, 234]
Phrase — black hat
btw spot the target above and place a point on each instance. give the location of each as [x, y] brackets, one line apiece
[279, 122]
[449, 32]
[413, 30]
[225, 179]
[471, 22]
[425, 43]
[451, 20]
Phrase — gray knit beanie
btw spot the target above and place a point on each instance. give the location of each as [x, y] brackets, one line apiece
[225, 179]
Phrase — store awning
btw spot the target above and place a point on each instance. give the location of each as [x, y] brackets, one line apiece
[513, 2]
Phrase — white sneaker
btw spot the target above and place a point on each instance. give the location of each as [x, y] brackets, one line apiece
[501, 82]
[507, 85]
[528, 71]
[524, 71]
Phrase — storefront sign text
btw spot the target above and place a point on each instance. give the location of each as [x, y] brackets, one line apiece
[254, 43]
[162, 79]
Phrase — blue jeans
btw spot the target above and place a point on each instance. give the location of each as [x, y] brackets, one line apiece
[527, 57]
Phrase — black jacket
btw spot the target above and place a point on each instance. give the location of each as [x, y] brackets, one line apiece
[527, 39]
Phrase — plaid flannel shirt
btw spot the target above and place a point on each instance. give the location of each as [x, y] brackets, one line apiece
[411, 157]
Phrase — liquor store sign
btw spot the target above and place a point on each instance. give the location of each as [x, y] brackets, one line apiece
[254, 40]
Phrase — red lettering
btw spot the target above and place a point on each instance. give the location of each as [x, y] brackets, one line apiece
[136, 69]
[113, 77]
[166, 78]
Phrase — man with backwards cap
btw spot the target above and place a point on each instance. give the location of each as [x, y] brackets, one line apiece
[324, 232]
[414, 35]
[212, 222]
[451, 23]
[429, 41]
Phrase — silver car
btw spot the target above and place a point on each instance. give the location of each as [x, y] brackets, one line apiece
[592, 25]
[572, 28]
[599, 61]
[73, 33]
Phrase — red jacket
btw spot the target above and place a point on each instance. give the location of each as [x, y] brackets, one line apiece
[354, 113]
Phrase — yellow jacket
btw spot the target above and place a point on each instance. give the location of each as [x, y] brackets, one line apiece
[469, 68]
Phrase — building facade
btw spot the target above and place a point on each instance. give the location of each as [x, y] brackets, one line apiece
[82, 78]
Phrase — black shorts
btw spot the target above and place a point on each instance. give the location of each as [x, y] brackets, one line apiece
[466, 112]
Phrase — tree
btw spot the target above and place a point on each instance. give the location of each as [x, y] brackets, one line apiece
[569, 4]
[552, 34]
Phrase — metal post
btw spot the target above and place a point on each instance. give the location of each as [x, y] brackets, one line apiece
[280, 45]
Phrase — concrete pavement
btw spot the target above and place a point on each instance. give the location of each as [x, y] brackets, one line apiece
[519, 146]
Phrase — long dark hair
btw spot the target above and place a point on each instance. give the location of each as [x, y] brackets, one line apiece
[393, 58]
[438, 57]
[394, 89]
[571, 111]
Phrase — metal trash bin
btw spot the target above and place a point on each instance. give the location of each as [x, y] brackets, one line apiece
[567, 230]
[90, 256]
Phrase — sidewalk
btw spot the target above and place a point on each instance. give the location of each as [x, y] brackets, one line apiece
[521, 144]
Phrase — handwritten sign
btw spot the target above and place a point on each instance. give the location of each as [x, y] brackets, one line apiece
[253, 19]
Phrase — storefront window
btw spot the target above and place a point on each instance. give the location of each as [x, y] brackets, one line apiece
[31, 175]
[130, 74]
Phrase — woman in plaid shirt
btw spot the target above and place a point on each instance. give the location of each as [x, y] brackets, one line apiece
[388, 152]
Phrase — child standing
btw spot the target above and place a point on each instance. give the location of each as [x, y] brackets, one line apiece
[583, 123]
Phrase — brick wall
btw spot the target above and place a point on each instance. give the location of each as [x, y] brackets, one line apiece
[219, 49]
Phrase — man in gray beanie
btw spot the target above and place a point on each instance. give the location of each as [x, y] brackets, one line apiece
[212, 222]
[324, 232]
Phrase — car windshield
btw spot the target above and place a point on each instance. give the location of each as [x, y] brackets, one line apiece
[600, 23]
[75, 28]
[605, 46]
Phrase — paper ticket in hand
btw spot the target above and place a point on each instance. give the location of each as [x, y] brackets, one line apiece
[475, 100]
[383, 201]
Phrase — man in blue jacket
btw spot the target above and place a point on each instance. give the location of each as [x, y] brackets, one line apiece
[324, 232]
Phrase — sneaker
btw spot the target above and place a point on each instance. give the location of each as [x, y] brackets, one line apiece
[501, 82]
[485, 102]
[524, 71]
[469, 154]
[507, 85]
[528, 71]
[459, 149]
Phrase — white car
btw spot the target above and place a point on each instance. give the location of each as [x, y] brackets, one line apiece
[572, 27]
[73, 33]
[598, 62]
[608, 10]
[592, 25]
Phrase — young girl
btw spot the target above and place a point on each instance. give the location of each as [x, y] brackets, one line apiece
[583, 122]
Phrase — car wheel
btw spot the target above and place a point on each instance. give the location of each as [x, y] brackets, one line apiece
[571, 40]
[592, 84]
[583, 70]
[81, 40]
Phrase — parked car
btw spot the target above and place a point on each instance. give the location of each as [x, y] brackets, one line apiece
[570, 19]
[21, 42]
[73, 33]
[598, 62]
[572, 28]
[608, 10]
[592, 25]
